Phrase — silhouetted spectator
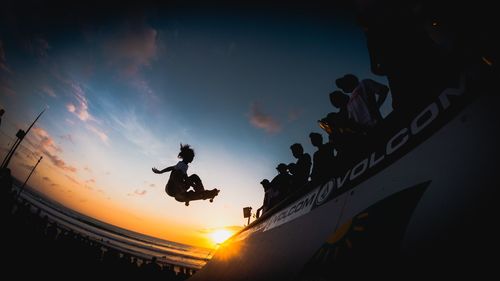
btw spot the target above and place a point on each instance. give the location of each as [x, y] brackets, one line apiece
[341, 119]
[52, 231]
[363, 106]
[344, 132]
[281, 183]
[300, 171]
[339, 100]
[268, 194]
[323, 159]
[152, 268]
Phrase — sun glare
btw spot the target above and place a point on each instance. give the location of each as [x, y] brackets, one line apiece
[221, 235]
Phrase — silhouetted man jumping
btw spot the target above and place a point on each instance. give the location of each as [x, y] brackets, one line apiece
[179, 182]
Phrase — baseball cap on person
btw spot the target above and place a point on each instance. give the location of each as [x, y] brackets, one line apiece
[281, 166]
[346, 81]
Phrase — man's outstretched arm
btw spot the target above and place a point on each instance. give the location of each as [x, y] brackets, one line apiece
[257, 215]
[167, 169]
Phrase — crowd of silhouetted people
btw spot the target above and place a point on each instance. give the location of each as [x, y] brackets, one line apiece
[422, 49]
[347, 128]
[354, 129]
[34, 243]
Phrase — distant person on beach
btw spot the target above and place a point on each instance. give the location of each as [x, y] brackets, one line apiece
[179, 182]
[300, 170]
[152, 267]
[363, 105]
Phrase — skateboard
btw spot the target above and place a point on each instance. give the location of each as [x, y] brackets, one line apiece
[192, 196]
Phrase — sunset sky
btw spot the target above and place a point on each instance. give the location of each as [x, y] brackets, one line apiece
[124, 86]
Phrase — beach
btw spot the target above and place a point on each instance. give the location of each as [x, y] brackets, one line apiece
[46, 236]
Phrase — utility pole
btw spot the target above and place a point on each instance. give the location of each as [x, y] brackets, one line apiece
[20, 136]
[32, 170]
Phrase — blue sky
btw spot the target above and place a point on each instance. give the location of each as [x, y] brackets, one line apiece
[122, 92]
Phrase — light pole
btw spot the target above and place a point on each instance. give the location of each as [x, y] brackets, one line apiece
[20, 136]
[32, 170]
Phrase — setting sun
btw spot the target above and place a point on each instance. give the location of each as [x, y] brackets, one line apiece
[221, 235]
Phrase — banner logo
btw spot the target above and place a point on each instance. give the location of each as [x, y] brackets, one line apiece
[324, 193]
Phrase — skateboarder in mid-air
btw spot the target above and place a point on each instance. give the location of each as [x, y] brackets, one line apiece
[179, 182]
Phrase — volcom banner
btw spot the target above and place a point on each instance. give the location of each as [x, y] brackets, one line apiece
[324, 193]
[295, 210]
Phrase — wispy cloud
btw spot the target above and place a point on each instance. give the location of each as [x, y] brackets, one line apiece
[69, 121]
[99, 133]
[72, 179]
[71, 107]
[3, 60]
[26, 166]
[58, 162]
[143, 88]
[48, 91]
[90, 181]
[294, 114]
[137, 133]
[80, 107]
[68, 137]
[38, 47]
[131, 48]
[261, 120]
[138, 192]
[5, 83]
[44, 143]
[6, 89]
[46, 140]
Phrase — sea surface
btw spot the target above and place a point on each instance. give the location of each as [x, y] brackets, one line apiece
[140, 245]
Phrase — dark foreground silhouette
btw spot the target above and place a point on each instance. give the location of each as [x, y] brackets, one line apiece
[34, 244]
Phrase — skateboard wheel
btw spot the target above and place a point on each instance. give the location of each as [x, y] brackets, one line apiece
[212, 200]
[187, 203]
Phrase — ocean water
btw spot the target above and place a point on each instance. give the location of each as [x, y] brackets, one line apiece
[140, 245]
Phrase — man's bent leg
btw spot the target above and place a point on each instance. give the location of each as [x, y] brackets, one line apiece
[196, 183]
